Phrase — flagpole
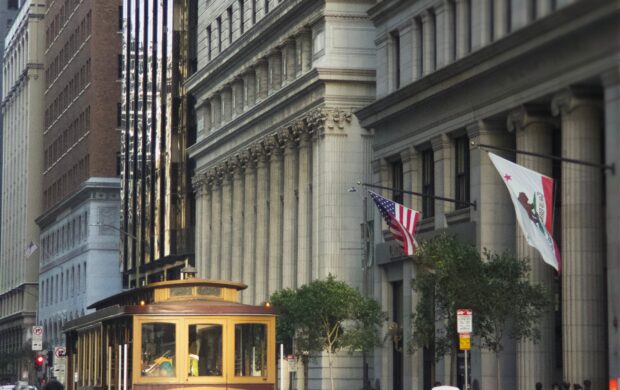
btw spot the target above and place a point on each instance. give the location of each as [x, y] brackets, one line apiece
[611, 167]
[473, 204]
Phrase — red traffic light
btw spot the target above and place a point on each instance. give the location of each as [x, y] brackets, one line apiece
[39, 360]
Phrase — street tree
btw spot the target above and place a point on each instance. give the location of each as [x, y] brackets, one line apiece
[453, 275]
[326, 315]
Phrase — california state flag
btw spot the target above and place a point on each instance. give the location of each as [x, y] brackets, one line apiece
[532, 196]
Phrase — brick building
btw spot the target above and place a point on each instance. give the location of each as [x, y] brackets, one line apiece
[80, 152]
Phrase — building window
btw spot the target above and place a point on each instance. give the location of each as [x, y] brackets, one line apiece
[419, 36]
[229, 13]
[254, 12]
[397, 181]
[120, 17]
[461, 169]
[119, 72]
[209, 46]
[396, 57]
[13, 4]
[241, 17]
[428, 183]
[266, 7]
[218, 21]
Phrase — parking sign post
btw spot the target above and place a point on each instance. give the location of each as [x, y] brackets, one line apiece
[464, 327]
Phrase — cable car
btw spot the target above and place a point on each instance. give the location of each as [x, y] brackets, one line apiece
[189, 334]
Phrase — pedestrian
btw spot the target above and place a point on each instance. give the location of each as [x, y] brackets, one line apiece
[53, 384]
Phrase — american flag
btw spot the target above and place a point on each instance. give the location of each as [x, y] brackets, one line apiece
[401, 220]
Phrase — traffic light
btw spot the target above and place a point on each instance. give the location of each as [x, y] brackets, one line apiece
[38, 362]
[50, 358]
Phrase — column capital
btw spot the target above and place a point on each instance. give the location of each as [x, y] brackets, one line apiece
[408, 154]
[440, 142]
[526, 114]
[304, 31]
[611, 77]
[485, 126]
[572, 97]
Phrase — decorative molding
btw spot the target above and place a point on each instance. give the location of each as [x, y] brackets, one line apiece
[527, 114]
[570, 98]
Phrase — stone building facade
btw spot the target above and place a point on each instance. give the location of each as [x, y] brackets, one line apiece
[22, 108]
[277, 146]
[80, 150]
[538, 76]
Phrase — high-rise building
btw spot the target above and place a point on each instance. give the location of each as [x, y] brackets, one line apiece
[79, 258]
[538, 77]
[22, 109]
[155, 190]
[278, 147]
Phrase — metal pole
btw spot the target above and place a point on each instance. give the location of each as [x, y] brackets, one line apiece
[466, 371]
[451, 200]
[281, 366]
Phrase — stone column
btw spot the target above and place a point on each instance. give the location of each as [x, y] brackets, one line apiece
[205, 230]
[237, 224]
[237, 95]
[249, 84]
[198, 196]
[216, 228]
[418, 52]
[583, 253]
[462, 28]
[227, 228]
[534, 128]
[484, 15]
[440, 30]
[303, 45]
[207, 117]
[428, 32]
[262, 225]
[304, 210]
[495, 230]
[249, 229]
[449, 45]
[275, 215]
[289, 213]
[500, 21]
[262, 79]
[544, 8]
[216, 111]
[226, 104]
[443, 151]
[290, 60]
[611, 82]
[275, 70]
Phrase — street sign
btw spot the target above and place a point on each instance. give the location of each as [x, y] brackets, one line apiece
[465, 342]
[60, 352]
[292, 363]
[464, 321]
[37, 338]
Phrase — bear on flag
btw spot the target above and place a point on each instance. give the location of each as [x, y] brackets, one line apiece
[532, 196]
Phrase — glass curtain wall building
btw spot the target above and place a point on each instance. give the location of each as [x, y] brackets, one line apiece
[156, 199]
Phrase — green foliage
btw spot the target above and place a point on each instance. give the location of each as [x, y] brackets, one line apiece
[453, 275]
[326, 315]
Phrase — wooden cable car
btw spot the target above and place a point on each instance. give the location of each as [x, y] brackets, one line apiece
[189, 334]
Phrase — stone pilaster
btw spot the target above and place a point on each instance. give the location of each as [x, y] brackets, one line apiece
[262, 225]
[304, 210]
[199, 201]
[443, 154]
[216, 228]
[440, 30]
[417, 32]
[207, 117]
[448, 32]
[226, 95]
[249, 84]
[428, 32]
[536, 362]
[611, 82]
[462, 28]
[583, 252]
[500, 21]
[237, 223]
[485, 16]
[275, 214]
[303, 45]
[225, 259]
[495, 229]
[545, 7]
[412, 177]
[290, 60]
[237, 95]
[289, 213]
[249, 228]
[262, 79]
[275, 70]
[216, 111]
[205, 221]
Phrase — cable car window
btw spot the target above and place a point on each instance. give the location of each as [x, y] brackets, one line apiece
[250, 350]
[180, 291]
[158, 348]
[209, 290]
[205, 350]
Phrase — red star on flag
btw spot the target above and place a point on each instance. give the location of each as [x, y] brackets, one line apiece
[507, 177]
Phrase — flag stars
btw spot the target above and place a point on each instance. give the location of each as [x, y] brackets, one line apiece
[507, 177]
